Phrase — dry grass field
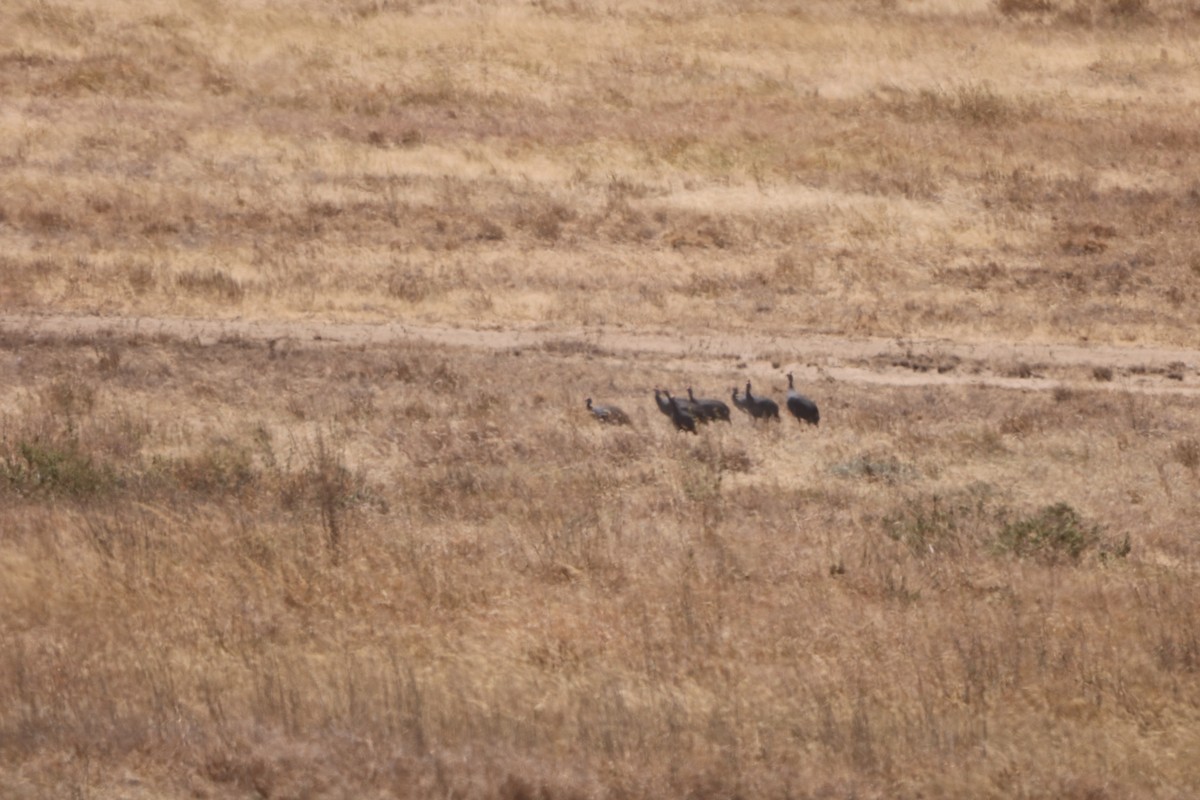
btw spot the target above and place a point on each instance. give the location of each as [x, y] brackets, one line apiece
[300, 302]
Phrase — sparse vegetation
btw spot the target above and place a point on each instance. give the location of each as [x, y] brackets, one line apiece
[415, 578]
[56, 468]
[1054, 533]
[875, 468]
[498, 176]
[933, 525]
[1187, 453]
[253, 558]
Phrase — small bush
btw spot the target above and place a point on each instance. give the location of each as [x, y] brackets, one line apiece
[333, 488]
[69, 397]
[979, 104]
[546, 220]
[1054, 534]
[108, 358]
[326, 484]
[142, 278]
[47, 221]
[1187, 453]
[409, 285]
[888, 469]
[218, 470]
[938, 525]
[58, 468]
[932, 525]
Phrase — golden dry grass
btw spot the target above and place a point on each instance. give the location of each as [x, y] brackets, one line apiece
[267, 566]
[308, 570]
[936, 168]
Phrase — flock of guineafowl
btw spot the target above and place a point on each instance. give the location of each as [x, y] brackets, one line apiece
[686, 414]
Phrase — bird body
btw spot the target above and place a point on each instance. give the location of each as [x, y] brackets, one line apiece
[664, 405]
[708, 409]
[801, 407]
[761, 407]
[682, 419]
[740, 403]
[608, 414]
[663, 399]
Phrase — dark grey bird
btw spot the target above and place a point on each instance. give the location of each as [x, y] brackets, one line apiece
[688, 405]
[740, 403]
[802, 408]
[682, 419]
[707, 408]
[761, 407]
[664, 405]
[608, 414]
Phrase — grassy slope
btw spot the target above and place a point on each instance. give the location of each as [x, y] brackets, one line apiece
[241, 569]
[909, 169]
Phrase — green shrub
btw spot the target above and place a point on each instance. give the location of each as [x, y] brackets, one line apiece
[56, 468]
[936, 524]
[1053, 534]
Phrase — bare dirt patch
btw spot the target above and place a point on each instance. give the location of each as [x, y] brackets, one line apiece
[905, 362]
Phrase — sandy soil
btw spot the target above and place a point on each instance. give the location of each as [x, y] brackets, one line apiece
[812, 356]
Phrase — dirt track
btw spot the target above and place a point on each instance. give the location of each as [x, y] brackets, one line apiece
[907, 362]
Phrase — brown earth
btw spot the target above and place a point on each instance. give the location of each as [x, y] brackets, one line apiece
[812, 356]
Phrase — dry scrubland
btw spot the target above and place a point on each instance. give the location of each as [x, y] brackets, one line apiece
[305, 570]
[299, 568]
[914, 168]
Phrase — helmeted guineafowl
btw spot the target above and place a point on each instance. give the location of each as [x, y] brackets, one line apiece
[608, 414]
[682, 419]
[664, 405]
[740, 403]
[707, 407]
[802, 408]
[761, 407]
